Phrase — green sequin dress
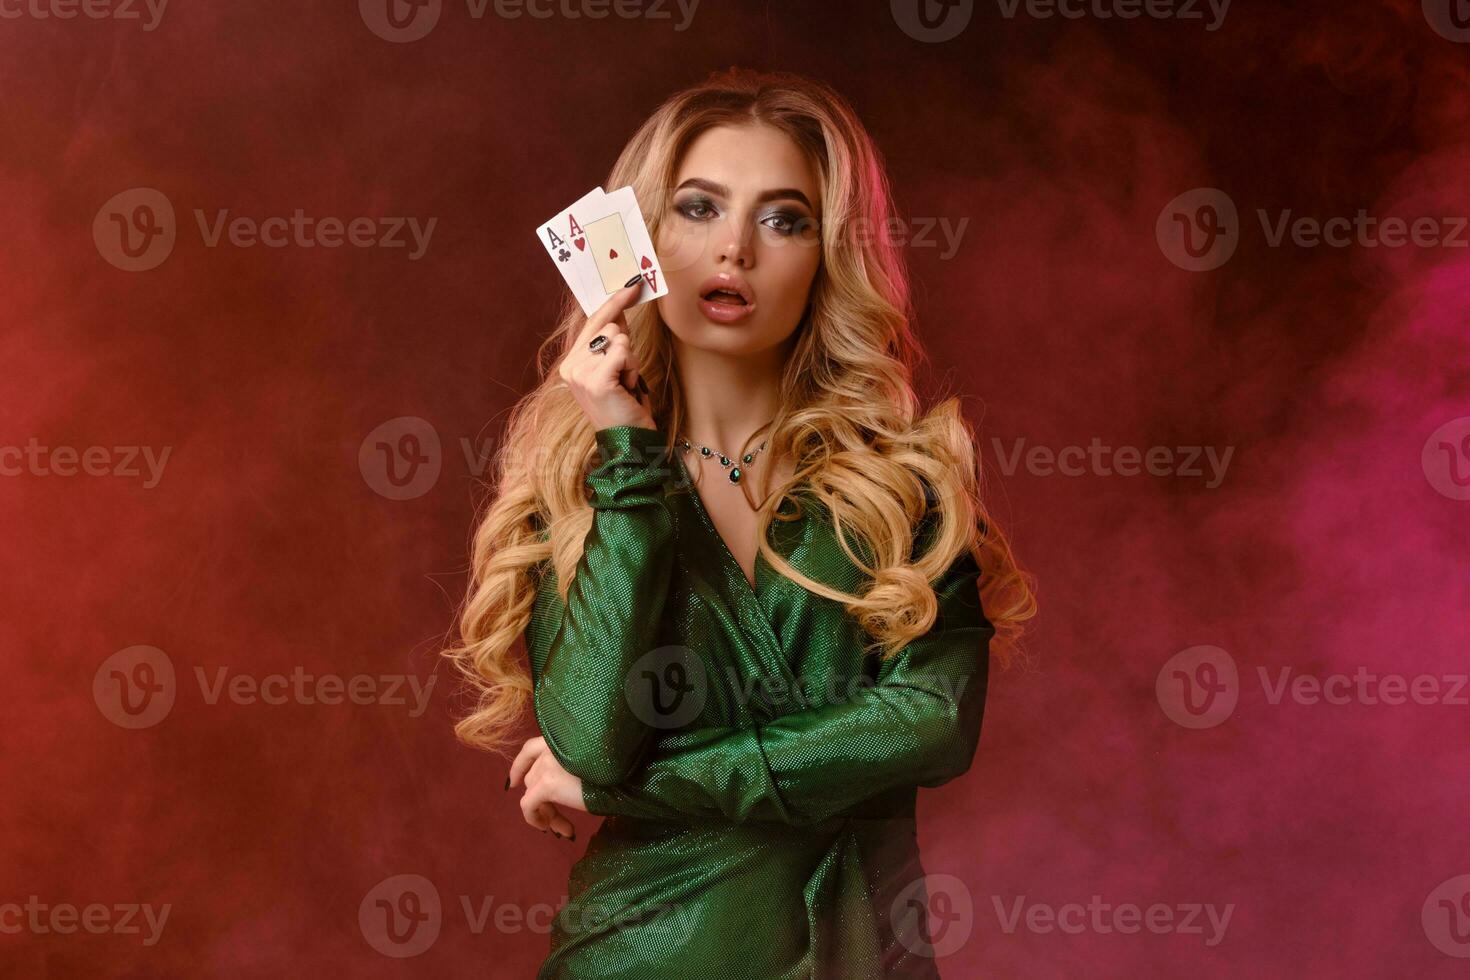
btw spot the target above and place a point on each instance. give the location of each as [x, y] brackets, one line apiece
[758, 773]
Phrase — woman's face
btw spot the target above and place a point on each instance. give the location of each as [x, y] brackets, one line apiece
[743, 218]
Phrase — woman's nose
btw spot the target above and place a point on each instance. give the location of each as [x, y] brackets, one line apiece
[736, 245]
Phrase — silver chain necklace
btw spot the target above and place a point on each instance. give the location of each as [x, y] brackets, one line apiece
[725, 461]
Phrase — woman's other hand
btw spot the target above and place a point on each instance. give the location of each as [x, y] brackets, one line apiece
[548, 786]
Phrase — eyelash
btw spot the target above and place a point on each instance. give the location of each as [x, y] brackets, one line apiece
[794, 220]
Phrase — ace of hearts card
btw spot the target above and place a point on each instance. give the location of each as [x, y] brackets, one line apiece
[598, 243]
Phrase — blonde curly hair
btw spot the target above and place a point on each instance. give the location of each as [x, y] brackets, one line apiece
[849, 418]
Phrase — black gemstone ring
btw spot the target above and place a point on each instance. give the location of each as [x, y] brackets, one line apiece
[598, 345]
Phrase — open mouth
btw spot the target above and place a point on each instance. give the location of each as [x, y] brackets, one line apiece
[725, 297]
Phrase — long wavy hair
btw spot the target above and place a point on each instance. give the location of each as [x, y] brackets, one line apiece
[849, 417]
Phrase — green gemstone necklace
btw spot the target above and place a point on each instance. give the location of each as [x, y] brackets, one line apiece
[725, 461]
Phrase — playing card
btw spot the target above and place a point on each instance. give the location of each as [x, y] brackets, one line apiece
[612, 252]
[564, 237]
[598, 243]
[622, 246]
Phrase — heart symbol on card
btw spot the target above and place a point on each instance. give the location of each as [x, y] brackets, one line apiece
[646, 263]
[612, 253]
[581, 244]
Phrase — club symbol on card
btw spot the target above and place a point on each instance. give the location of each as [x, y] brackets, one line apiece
[563, 255]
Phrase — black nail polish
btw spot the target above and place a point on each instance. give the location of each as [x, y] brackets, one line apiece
[636, 277]
[507, 782]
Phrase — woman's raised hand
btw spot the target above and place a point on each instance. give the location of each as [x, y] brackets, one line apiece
[603, 383]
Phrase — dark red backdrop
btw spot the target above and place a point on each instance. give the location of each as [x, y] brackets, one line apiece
[1329, 383]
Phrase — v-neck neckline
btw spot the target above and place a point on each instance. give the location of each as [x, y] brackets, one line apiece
[732, 564]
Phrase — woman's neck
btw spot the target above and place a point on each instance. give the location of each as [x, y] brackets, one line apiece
[727, 398]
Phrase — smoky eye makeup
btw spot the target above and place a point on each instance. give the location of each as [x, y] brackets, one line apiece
[784, 221]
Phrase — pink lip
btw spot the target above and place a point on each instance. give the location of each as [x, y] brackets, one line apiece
[724, 312]
[729, 281]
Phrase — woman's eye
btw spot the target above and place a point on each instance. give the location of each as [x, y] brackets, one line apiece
[696, 208]
[782, 222]
[788, 222]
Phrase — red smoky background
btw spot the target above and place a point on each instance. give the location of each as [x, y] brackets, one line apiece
[1200, 271]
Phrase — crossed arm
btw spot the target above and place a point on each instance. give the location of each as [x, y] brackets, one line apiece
[917, 725]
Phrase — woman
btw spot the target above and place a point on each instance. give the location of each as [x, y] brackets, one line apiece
[747, 569]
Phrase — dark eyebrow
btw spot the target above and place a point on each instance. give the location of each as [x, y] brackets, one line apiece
[779, 194]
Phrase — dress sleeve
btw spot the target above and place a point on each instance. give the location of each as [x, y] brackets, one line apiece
[581, 650]
[917, 725]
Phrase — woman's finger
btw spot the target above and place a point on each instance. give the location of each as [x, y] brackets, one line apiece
[608, 313]
[531, 810]
[525, 759]
[607, 369]
[629, 375]
[556, 822]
